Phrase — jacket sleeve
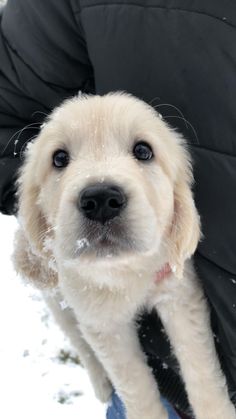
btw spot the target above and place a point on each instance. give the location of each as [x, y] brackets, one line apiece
[43, 60]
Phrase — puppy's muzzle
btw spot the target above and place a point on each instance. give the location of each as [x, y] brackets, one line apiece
[102, 202]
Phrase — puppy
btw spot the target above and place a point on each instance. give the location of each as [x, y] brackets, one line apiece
[107, 217]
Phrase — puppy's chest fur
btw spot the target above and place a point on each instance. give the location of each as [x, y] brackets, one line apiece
[103, 305]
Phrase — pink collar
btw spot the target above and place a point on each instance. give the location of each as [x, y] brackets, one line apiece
[164, 272]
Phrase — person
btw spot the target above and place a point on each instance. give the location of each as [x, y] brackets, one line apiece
[178, 56]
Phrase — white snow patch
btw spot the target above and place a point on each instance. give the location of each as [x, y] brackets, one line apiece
[63, 304]
[82, 243]
[173, 268]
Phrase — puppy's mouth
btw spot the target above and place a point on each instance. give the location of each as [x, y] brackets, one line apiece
[104, 240]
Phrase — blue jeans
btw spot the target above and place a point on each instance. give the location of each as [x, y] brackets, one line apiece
[116, 409]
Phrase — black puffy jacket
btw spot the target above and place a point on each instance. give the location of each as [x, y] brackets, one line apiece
[171, 53]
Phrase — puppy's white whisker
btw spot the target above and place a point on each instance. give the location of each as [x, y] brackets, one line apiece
[24, 146]
[174, 107]
[18, 133]
[186, 123]
[40, 113]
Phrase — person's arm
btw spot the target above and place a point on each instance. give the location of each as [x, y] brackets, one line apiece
[43, 60]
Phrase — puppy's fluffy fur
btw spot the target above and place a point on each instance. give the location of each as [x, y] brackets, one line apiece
[106, 285]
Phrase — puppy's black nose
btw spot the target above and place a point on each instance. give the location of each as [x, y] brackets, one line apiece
[102, 202]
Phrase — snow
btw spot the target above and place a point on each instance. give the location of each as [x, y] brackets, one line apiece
[82, 243]
[36, 378]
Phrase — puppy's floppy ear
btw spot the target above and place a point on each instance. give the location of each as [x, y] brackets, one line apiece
[32, 259]
[31, 216]
[185, 230]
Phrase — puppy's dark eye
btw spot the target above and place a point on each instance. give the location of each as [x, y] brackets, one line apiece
[60, 159]
[143, 151]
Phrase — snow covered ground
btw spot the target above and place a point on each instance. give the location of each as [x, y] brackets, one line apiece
[39, 374]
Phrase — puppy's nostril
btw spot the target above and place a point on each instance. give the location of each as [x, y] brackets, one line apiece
[113, 203]
[89, 205]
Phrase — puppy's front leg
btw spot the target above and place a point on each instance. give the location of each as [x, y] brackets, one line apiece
[123, 359]
[186, 319]
[67, 321]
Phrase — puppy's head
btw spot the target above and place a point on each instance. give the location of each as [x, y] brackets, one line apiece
[109, 180]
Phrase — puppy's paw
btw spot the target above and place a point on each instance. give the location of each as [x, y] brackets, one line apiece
[101, 384]
[103, 389]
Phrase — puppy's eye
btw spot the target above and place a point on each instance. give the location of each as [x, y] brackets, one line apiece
[142, 151]
[60, 159]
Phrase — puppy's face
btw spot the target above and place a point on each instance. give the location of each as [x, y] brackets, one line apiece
[109, 179]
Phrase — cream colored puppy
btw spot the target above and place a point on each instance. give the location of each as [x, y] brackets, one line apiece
[107, 217]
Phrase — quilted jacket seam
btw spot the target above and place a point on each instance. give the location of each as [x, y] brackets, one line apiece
[221, 19]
